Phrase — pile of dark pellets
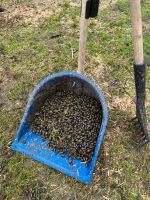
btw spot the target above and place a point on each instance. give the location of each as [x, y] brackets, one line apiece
[70, 123]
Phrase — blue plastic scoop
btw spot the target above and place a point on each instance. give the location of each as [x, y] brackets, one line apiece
[32, 145]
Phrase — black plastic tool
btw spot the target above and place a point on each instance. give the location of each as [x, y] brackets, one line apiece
[92, 8]
[140, 83]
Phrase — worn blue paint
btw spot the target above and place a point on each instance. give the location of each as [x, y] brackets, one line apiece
[34, 146]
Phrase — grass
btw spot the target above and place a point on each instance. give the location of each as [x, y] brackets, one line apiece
[28, 54]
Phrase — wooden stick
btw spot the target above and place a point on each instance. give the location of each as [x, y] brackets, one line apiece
[136, 18]
[83, 38]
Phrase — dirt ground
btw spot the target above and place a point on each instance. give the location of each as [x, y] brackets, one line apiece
[29, 51]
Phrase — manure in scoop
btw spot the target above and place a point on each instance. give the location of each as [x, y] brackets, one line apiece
[70, 122]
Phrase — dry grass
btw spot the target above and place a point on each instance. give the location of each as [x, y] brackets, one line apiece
[27, 54]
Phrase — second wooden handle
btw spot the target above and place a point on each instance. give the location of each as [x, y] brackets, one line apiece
[136, 18]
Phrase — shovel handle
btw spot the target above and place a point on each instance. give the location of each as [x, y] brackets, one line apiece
[136, 18]
[83, 37]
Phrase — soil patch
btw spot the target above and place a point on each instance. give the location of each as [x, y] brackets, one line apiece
[70, 123]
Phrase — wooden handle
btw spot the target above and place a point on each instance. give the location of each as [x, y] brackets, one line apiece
[83, 38]
[136, 18]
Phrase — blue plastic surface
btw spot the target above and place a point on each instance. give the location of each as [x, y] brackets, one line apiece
[34, 146]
